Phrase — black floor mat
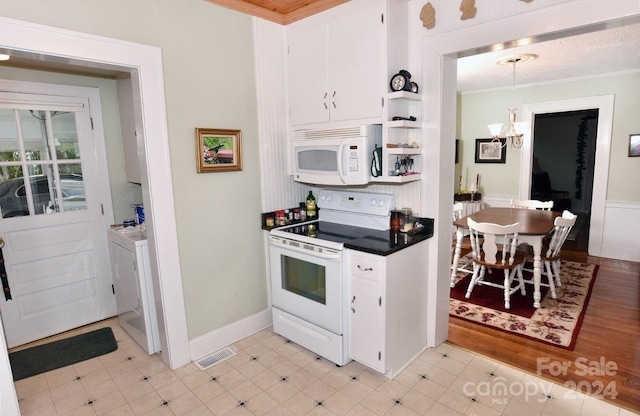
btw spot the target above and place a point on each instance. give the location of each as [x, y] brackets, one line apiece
[61, 353]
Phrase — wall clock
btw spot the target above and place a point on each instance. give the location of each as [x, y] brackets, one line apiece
[401, 81]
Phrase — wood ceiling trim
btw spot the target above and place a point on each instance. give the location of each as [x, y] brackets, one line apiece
[306, 9]
[311, 8]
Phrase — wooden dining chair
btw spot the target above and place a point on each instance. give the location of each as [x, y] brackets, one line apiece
[551, 248]
[489, 254]
[532, 204]
[465, 244]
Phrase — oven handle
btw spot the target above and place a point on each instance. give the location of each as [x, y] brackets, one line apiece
[331, 255]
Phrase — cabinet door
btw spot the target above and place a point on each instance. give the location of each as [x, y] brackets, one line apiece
[128, 127]
[365, 323]
[356, 66]
[308, 76]
[125, 280]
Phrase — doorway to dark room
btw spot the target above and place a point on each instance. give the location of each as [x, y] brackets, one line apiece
[564, 146]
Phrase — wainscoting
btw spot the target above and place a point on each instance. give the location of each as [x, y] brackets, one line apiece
[619, 232]
[621, 224]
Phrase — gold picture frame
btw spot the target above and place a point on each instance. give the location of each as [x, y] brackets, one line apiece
[218, 150]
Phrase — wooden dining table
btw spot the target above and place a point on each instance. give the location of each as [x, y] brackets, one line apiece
[534, 226]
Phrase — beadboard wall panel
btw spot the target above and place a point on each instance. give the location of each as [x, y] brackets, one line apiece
[278, 188]
[621, 225]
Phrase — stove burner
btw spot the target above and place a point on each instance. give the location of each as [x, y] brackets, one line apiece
[322, 230]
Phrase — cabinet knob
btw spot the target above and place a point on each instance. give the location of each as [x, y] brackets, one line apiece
[352, 308]
[333, 99]
[325, 100]
[365, 269]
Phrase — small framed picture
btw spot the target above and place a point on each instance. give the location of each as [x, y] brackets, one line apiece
[491, 151]
[218, 150]
[634, 145]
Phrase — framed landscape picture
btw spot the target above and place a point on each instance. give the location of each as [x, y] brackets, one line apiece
[218, 150]
[491, 151]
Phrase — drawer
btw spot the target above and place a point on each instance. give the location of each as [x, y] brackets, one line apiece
[366, 267]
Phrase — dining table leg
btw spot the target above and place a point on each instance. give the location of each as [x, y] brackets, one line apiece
[536, 243]
[456, 256]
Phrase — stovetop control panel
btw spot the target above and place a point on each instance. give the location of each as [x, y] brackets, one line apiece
[355, 202]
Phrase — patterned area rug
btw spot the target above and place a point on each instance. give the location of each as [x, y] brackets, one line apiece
[557, 321]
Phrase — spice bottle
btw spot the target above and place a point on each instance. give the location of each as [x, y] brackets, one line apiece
[270, 221]
[303, 211]
[406, 223]
[311, 206]
[394, 222]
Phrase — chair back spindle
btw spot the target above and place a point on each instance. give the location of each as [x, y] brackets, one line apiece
[487, 238]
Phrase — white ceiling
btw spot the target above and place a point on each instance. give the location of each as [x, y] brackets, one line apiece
[604, 52]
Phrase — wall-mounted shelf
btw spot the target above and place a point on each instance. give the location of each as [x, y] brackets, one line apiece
[401, 133]
[403, 151]
[396, 179]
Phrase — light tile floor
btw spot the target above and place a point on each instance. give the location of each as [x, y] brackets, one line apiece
[271, 376]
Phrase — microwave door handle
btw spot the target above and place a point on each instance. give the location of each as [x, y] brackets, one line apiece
[340, 151]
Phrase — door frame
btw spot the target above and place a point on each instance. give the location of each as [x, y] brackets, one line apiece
[604, 104]
[144, 63]
[438, 63]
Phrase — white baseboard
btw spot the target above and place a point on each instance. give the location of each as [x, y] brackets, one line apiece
[213, 341]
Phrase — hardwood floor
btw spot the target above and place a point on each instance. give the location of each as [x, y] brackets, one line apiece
[610, 334]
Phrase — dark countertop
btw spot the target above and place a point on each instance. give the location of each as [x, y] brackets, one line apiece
[383, 243]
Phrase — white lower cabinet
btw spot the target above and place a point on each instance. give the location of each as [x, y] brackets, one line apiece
[388, 308]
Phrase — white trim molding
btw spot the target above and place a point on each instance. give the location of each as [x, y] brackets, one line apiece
[144, 63]
[604, 104]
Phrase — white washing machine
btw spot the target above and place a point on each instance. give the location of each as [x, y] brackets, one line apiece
[133, 287]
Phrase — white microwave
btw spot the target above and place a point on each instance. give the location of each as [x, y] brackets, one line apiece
[340, 156]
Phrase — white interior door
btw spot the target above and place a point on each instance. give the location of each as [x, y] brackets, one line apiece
[55, 246]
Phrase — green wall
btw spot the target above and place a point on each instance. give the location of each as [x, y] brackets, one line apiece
[476, 110]
[209, 73]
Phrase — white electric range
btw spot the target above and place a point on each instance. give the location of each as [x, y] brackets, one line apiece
[308, 276]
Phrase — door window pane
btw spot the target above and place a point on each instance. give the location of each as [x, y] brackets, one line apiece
[9, 148]
[34, 134]
[65, 135]
[11, 204]
[73, 196]
[43, 189]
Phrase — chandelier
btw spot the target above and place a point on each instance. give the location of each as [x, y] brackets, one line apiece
[513, 130]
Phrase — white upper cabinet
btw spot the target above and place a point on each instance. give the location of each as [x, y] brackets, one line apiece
[128, 125]
[309, 76]
[336, 68]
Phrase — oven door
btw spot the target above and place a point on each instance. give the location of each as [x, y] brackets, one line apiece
[306, 281]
